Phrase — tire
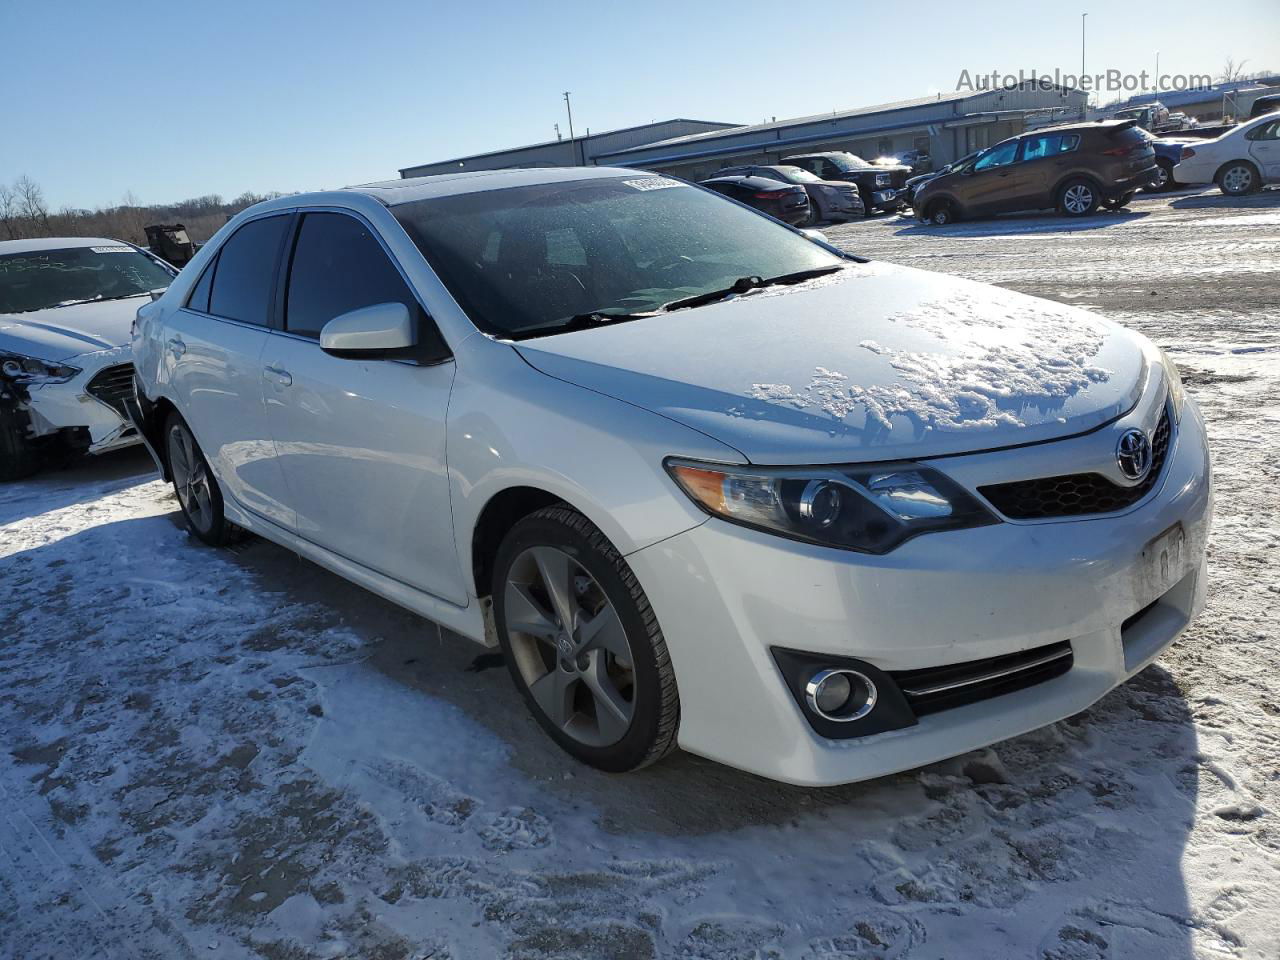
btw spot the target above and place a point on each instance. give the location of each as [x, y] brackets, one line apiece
[1238, 178]
[195, 485]
[1120, 202]
[940, 213]
[1078, 198]
[1165, 182]
[867, 209]
[18, 458]
[570, 669]
[815, 214]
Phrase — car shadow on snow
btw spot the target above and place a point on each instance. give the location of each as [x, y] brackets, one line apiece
[1086, 818]
[82, 481]
[1021, 223]
[1268, 199]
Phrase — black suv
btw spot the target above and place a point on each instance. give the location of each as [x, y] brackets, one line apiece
[879, 184]
[1075, 168]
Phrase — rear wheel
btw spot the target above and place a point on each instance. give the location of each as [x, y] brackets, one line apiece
[1239, 178]
[1077, 198]
[1164, 178]
[582, 643]
[815, 214]
[194, 483]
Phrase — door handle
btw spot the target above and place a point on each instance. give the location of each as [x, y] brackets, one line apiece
[176, 346]
[276, 375]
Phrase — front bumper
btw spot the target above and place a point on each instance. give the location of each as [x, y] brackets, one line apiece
[726, 595]
[58, 407]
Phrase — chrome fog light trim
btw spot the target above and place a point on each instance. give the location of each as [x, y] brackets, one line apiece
[862, 691]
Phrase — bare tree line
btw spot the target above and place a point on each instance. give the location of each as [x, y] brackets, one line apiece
[25, 214]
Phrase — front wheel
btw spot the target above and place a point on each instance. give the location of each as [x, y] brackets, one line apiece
[582, 643]
[940, 213]
[194, 484]
[18, 458]
[1239, 178]
[1078, 198]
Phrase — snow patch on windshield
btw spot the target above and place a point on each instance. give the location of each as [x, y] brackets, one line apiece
[1003, 353]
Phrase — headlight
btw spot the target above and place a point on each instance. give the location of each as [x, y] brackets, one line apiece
[15, 366]
[870, 509]
[1176, 393]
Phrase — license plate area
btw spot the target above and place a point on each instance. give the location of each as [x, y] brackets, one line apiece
[1162, 564]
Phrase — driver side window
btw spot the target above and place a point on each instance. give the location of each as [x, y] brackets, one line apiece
[999, 156]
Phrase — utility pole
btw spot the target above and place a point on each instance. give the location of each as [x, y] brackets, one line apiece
[568, 106]
[1156, 83]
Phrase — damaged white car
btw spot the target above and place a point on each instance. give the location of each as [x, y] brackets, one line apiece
[66, 308]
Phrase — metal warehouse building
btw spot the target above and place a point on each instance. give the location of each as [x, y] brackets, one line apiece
[946, 126]
[572, 152]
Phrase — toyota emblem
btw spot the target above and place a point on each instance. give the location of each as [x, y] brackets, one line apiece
[1133, 454]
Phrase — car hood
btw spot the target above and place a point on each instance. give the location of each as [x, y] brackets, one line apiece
[874, 363]
[61, 333]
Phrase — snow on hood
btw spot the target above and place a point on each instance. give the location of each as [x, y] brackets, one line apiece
[878, 362]
[61, 333]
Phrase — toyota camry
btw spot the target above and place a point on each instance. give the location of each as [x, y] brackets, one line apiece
[704, 479]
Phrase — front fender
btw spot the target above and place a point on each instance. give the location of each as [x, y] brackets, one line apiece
[510, 426]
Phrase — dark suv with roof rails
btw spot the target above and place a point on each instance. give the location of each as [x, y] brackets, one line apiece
[1074, 168]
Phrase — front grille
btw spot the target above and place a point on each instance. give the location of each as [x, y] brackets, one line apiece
[941, 688]
[112, 385]
[1077, 494]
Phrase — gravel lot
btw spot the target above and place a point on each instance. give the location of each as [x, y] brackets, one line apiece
[235, 754]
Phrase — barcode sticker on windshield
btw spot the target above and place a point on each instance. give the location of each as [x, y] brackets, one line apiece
[653, 183]
[120, 249]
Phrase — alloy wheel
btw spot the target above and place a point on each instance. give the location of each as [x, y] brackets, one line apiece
[1163, 176]
[1078, 198]
[190, 478]
[570, 646]
[1238, 179]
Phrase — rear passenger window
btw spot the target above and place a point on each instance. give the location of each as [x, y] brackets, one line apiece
[338, 266]
[242, 284]
[199, 299]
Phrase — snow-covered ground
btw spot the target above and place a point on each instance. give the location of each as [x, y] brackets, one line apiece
[235, 754]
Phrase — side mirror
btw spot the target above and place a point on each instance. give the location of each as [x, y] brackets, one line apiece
[369, 333]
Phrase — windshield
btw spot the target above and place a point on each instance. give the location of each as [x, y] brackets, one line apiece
[40, 279]
[797, 175]
[848, 162]
[525, 260]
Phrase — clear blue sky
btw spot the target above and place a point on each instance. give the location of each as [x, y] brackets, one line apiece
[171, 100]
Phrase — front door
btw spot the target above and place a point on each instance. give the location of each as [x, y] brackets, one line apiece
[992, 184]
[213, 349]
[361, 442]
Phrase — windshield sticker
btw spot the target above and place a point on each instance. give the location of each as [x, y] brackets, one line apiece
[120, 249]
[653, 183]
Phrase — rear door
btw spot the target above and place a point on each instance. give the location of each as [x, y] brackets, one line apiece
[361, 442]
[213, 349]
[1264, 147]
[1045, 158]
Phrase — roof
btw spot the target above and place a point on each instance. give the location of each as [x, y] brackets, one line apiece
[815, 118]
[394, 192]
[551, 143]
[57, 243]
[1175, 98]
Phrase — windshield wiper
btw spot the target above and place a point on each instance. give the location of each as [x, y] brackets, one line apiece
[746, 284]
[100, 299]
[582, 321]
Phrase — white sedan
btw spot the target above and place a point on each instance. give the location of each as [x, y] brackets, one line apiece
[66, 306]
[705, 480]
[1242, 160]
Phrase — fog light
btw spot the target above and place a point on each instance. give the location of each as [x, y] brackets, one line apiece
[840, 695]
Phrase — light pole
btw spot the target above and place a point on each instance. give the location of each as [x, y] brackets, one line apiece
[1156, 83]
[1085, 111]
[568, 106]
